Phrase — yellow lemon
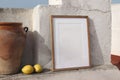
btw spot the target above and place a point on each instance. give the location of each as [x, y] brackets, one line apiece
[27, 69]
[38, 68]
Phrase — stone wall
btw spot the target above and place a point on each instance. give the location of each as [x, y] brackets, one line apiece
[99, 13]
[17, 15]
[38, 47]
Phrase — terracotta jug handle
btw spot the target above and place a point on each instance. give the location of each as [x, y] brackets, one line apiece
[26, 29]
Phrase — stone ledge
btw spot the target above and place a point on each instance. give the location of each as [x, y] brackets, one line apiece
[105, 72]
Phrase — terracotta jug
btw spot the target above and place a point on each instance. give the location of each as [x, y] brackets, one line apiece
[12, 42]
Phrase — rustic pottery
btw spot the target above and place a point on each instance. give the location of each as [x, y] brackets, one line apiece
[12, 42]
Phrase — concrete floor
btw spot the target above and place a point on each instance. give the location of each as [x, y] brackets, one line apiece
[106, 72]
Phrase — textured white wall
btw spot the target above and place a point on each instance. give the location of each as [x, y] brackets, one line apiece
[99, 21]
[115, 29]
[38, 47]
[17, 15]
[55, 2]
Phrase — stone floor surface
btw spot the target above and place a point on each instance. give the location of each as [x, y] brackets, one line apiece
[105, 72]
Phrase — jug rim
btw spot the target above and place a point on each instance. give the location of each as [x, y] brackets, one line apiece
[19, 23]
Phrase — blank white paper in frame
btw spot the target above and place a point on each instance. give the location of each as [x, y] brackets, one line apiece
[71, 45]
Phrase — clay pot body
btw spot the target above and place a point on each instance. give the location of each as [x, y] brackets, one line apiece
[12, 42]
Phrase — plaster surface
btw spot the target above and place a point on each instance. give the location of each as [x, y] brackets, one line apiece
[105, 72]
[38, 46]
[99, 26]
[17, 15]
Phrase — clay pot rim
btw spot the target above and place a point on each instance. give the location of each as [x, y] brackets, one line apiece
[6, 23]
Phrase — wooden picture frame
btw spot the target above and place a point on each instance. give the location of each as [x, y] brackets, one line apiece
[70, 42]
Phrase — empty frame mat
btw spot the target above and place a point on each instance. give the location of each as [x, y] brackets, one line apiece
[70, 42]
